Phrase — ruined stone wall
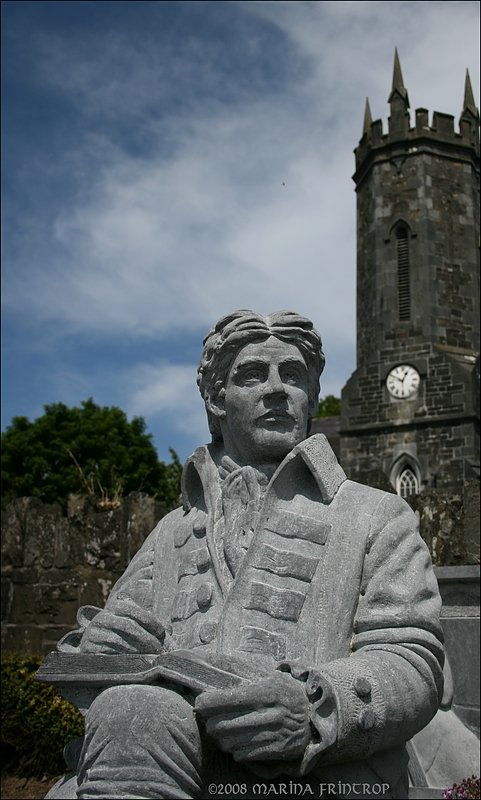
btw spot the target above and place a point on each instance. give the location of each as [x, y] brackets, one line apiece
[52, 563]
[449, 524]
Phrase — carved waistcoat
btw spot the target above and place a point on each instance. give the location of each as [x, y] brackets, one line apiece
[276, 602]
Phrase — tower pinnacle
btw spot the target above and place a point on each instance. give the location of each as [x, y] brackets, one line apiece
[367, 117]
[397, 82]
[468, 102]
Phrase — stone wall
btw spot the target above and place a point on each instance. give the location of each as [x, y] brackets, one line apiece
[449, 524]
[52, 563]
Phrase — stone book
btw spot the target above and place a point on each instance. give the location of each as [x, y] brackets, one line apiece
[182, 667]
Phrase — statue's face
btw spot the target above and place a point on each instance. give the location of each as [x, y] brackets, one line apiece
[265, 400]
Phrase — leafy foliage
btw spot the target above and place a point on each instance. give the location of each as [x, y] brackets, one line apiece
[36, 721]
[329, 406]
[87, 449]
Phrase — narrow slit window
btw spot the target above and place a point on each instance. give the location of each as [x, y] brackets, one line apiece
[403, 279]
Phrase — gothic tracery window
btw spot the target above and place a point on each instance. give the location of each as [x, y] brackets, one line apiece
[407, 482]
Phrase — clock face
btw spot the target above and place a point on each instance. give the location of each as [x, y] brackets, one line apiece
[403, 381]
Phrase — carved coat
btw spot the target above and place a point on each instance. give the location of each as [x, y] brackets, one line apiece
[337, 578]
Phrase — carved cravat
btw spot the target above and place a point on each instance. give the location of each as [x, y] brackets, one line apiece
[243, 490]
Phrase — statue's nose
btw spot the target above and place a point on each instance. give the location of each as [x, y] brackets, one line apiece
[275, 384]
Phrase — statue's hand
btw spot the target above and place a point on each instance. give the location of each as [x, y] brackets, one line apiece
[260, 721]
[136, 630]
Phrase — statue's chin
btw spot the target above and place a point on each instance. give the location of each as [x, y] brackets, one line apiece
[271, 446]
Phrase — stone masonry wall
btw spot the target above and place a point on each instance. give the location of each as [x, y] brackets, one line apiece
[439, 420]
[437, 199]
[53, 563]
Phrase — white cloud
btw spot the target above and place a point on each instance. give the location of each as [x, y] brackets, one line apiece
[254, 204]
[168, 391]
[246, 213]
[351, 47]
[239, 200]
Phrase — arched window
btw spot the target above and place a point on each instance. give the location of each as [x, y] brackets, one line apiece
[407, 482]
[405, 475]
[403, 278]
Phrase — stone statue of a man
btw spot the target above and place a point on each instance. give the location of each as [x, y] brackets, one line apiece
[316, 592]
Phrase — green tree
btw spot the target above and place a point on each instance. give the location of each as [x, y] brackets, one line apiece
[87, 449]
[329, 406]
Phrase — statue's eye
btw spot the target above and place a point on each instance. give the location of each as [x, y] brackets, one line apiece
[253, 374]
[291, 375]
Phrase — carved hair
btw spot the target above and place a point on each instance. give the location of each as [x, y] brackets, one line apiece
[235, 331]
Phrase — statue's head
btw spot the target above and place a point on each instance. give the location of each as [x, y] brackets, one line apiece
[259, 377]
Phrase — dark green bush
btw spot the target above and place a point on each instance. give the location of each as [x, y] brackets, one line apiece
[36, 721]
[87, 449]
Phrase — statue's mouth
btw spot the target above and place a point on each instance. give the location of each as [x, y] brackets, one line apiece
[276, 418]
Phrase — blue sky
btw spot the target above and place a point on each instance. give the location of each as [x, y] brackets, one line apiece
[165, 163]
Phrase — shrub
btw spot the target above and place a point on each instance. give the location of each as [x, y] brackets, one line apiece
[36, 721]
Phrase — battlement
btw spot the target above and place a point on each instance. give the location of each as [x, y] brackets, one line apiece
[401, 135]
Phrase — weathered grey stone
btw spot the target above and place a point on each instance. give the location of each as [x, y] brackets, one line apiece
[52, 563]
[459, 588]
[447, 749]
[288, 613]
[22, 638]
[446, 523]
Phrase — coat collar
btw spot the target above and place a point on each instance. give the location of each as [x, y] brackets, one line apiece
[200, 474]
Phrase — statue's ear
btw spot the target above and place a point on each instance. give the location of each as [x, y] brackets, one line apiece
[216, 405]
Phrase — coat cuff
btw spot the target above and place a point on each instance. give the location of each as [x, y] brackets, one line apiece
[346, 708]
[323, 713]
[361, 709]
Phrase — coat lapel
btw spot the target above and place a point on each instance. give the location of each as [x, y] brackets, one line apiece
[201, 490]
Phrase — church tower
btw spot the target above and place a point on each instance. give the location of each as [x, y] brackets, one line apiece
[410, 411]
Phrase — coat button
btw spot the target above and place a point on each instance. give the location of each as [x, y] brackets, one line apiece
[203, 559]
[204, 595]
[207, 632]
[314, 687]
[366, 719]
[362, 687]
[200, 524]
